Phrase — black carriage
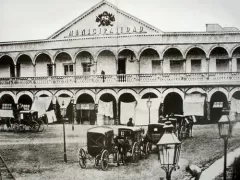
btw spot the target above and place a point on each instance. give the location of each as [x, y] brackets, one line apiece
[182, 125]
[100, 146]
[130, 143]
[154, 134]
[28, 119]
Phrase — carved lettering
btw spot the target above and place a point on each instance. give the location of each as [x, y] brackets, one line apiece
[141, 29]
[134, 29]
[105, 30]
[71, 33]
[77, 33]
[111, 31]
[94, 31]
[83, 32]
[128, 29]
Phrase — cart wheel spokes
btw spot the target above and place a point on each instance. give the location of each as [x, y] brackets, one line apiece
[116, 156]
[34, 126]
[16, 127]
[147, 150]
[97, 159]
[82, 158]
[41, 126]
[104, 160]
[135, 152]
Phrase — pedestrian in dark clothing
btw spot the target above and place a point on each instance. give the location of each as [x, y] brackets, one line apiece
[103, 75]
[195, 171]
[130, 123]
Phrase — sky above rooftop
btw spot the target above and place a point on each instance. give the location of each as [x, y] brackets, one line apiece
[38, 19]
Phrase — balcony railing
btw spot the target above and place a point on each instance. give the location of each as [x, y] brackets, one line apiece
[170, 79]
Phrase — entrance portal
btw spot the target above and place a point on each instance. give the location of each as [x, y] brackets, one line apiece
[173, 103]
[122, 66]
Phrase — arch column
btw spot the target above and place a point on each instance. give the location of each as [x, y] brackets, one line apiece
[230, 64]
[208, 110]
[15, 70]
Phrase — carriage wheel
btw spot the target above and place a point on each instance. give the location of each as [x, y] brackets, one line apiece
[41, 125]
[97, 159]
[34, 126]
[116, 156]
[135, 152]
[150, 146]
[104, 160]
[16, 127]
[82, 158]
[147, 150]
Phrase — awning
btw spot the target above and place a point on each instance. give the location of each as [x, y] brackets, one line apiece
[218, 105]
[6, 113]
[41, 105]
[194, 104]
[142, 111]
[63, 102]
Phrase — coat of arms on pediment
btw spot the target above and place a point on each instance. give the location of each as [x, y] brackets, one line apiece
[105, 19]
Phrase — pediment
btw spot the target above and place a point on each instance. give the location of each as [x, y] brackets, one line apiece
[104, 19]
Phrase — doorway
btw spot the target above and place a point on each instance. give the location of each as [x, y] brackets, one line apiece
[122, 66]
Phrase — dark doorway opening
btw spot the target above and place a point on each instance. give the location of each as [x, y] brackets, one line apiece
[173, 103]
[122, 66]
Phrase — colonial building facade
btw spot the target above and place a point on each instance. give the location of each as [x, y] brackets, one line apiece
[107, 54]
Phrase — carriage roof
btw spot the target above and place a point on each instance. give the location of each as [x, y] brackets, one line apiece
[100, 130]
[130, 128]
[156, 124]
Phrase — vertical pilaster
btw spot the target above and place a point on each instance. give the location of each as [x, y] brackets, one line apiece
[15, 70]
[230, 64]
[208, 111]
[117, 115]
[74, 113]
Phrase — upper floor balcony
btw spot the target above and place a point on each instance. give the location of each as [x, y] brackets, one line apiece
[123, 80]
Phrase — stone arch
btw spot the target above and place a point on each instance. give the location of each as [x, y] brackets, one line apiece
[150, 90]
[83, 50]
[146, 48]
[217, 46]
[170, 90]
[24, 93]
[146, 59]
[105, 49]
[200, 90]
[21, 54]
[85, 91]
[233, 49]
[171, 48]
[59, 52]
[7, 66]
[10, 94]
[210, 93]
[10, 56]
[127, 48]
[39, 93]
[106, 61]
[105, 91]
[25, 66]
[42, 52]
[130, 91]
[69, 93]
[193, 47]
[231, 93]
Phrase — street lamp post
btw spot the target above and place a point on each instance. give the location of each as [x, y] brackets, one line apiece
[72, 102]
[169, 148]
[225, 131]
[149, 104]
[63, 113]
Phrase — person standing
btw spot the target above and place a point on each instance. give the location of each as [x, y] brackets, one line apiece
[130, 123]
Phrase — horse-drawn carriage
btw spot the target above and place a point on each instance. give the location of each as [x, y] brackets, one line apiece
[182, 125]
[154, 134]
[28, 119]
[131, 144]
[100, 146]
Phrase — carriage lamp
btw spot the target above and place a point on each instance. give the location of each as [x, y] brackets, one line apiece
[225, 126]
[63, 113]
[72, 102]
[169, 148]
[149, 104]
